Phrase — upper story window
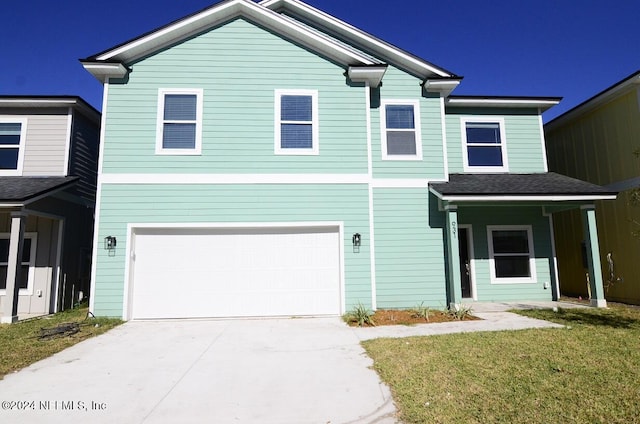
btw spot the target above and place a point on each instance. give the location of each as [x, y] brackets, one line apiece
[484, 147]
[179, 130]
[296, 122]
[511, 254]
[400, 122]
[27, 262]
[12, 135]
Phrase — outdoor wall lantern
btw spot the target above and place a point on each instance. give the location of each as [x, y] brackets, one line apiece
[356, 239]
[110, 243]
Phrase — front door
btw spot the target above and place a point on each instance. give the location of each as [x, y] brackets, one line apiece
[465, 264]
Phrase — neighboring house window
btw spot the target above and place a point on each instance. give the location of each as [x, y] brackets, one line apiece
[400, 122]
[27, 263]
[296, 122]
[179, 129]
[484, 145]
[511, 255]
[12, 134]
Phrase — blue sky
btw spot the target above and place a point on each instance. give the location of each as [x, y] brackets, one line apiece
[567, 48]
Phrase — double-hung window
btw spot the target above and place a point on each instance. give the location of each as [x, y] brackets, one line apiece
[511, 255]
[296, 122]
[400, 129]
[27, 262]
[179, 129]
[484, 145]
[12, 145]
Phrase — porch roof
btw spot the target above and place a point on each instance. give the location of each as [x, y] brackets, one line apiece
[547, 186]
[28, 189]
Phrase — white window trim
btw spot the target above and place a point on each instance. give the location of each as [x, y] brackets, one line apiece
[32, 263]
[383, 128]
[197, 150]
[21, 146]
[503, 144]
[532, 256]
[315, 131]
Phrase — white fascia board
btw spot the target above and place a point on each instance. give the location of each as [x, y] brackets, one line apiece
[523, 198]
[101, 70]
[380, 48]
[35, 102]
[53, 102]
[368, 74]
[542, 104]
[166, 35]
[223, 12]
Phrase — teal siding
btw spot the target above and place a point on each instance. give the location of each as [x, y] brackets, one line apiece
[238, 65]
[409, 249]
[480, 218]
[522, 131]
[123, 204]
[398, 85]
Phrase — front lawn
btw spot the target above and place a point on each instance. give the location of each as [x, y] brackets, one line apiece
[588, 372]
[21, 343]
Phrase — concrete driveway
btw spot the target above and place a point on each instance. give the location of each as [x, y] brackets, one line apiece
[228, 371]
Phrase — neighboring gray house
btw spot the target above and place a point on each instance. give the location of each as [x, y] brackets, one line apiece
[48, 167]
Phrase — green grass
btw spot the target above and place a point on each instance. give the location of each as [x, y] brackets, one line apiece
[20, 343]
[588, 372]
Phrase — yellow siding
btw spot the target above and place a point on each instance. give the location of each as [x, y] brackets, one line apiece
[598, 147]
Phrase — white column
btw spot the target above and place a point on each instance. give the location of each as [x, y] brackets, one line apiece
[14, 268]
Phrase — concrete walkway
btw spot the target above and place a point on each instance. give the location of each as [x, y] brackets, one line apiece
[223, 371]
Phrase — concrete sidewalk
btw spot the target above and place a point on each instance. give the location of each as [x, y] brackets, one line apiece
[310, 370]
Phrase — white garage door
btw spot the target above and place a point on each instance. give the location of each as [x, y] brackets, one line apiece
[196, 273]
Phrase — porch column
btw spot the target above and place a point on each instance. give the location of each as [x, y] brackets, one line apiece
[14, 268]
[454, 283]
[593, 256]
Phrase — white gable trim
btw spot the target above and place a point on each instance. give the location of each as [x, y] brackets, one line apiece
[223, 12]
[359, 37]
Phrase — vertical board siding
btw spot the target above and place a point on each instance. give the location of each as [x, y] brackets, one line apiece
[409, 249]
[523, 139]
[83, 158]
[598, 147]
[45, 143]
[480, 218]
[238, 65]
[124, 204]
[398, 85]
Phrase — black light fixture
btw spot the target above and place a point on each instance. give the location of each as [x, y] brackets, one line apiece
[356, 240]
[110, 243]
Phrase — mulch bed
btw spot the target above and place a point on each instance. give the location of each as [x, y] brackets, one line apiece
[404, 317]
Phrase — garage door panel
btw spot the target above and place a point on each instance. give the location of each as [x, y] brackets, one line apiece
[249, 272]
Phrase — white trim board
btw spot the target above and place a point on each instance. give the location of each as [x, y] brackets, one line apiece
[266, 179]
[225, 11]
[381, 48]
[533, 278]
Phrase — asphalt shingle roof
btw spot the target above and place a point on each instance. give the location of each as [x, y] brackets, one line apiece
[539, 184]
[20, 189]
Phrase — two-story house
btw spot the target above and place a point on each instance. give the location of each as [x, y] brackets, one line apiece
[598, 141]
[268, 159]
[48, 170]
